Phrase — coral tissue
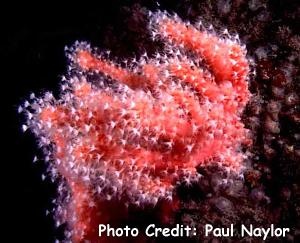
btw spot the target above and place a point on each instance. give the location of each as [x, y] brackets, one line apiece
[133, 132]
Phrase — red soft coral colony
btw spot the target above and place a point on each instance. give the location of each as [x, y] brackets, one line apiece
[136, 132]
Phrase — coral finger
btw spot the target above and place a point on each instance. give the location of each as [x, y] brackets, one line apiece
[89, 62]
[225, 58]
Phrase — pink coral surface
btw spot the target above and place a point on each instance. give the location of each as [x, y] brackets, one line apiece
[137, 131]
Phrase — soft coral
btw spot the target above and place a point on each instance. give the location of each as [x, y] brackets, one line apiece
[134, 138]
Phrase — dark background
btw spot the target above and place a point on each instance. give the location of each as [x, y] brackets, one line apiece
[32, 51]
